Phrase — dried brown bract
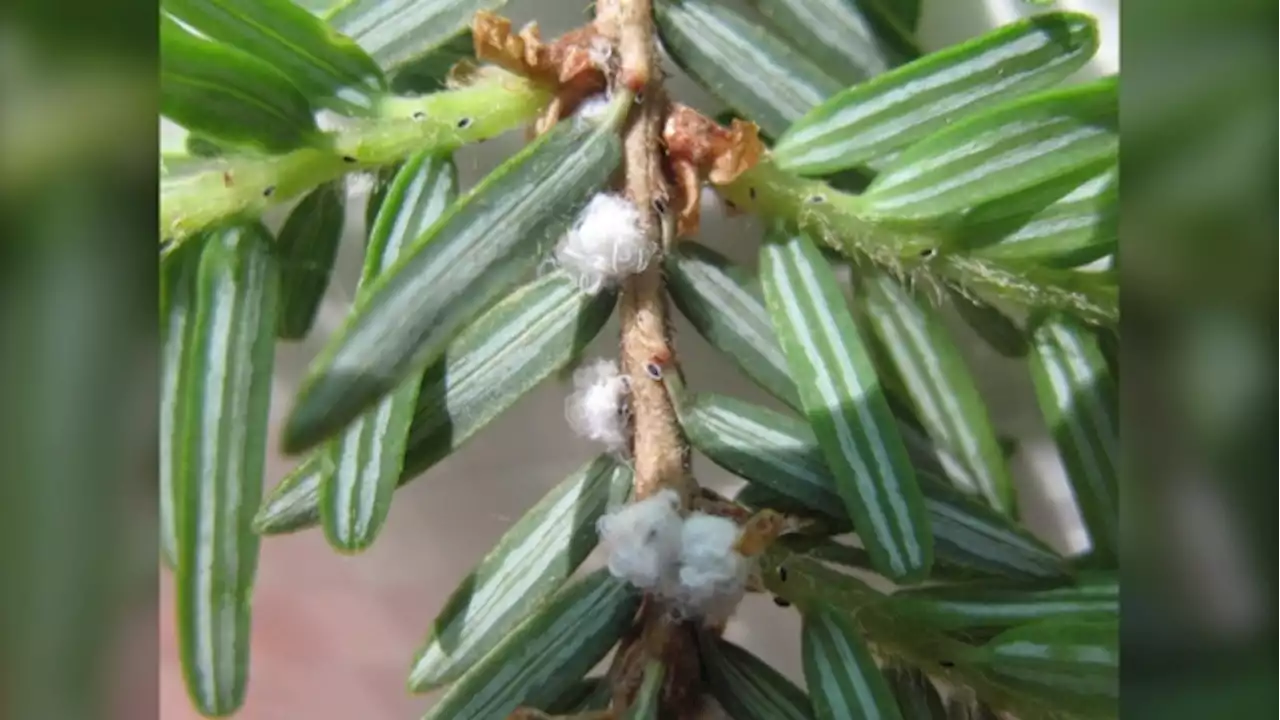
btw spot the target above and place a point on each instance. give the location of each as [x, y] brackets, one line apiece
[523, 53]
[698, 148]
[719, 153]
[760, 531]
[573, 65]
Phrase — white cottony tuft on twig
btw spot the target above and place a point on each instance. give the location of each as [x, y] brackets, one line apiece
[690, 562]
[606, 244]
[596, 409]
[643, 540]
[593, 106]
[713, 575]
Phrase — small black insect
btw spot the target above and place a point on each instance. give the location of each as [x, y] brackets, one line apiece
[268, 191]
[781, 601]
[464, 123]
[419, 115]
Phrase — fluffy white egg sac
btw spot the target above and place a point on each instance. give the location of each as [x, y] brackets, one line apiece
[594, 106]
[713, 576]
[642, 540]
[606, 244]
[596, 409]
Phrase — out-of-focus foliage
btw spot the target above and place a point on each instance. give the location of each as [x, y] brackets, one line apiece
[78, 360]
[1198, 222]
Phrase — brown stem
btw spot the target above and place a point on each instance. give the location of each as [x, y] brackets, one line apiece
[647, 352]
[635, 44]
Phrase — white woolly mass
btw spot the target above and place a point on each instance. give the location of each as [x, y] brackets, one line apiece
[713, 575]
[593, 106]
[596, 408]
[643, 540]
[690, 562]
[606, 244]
